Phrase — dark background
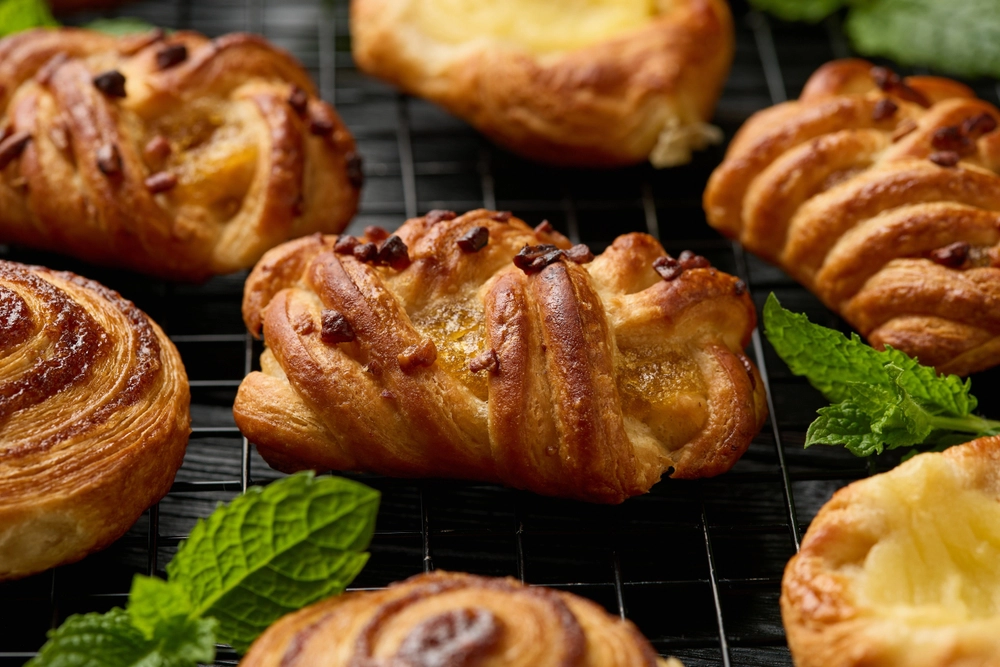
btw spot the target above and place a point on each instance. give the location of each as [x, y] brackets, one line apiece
[696, 565]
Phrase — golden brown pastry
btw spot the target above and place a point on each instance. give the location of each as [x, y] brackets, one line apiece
[177, 156]
[448, 618]
[472, 347]
[592, 83]
[903, 568]
[93, 417]
[881, 195]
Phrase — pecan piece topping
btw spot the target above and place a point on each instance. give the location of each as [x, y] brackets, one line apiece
[161, 182]
[320, 122]
[977, 126]
[158, 149]
[580, 253]
[111, 83]
[422, 354]
[376, 233]
[109, 160]
[670, 268]
[438, 215]
[365, 252]
[487, 361]
[12, 147]
[355, 172]
[474, 240]
[944, 158]
[534, 258]
[889, 81]
[951, 138]
[394, 253]
[544, 227]
[171, 55]
[335, 328]
[953, 255]
[345, 245]
[500, 216]
[740, 288]
[884, 108]
[298, 100]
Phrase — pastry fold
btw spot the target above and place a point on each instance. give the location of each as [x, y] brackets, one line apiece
[882, 196]
[94, 417]
[580, 380]
[903, 568]
[448, 618]
[581, 84]
[173, 155]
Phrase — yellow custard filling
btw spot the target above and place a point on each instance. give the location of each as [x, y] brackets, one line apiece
[939, 562]
[457, 332]
[541, 26]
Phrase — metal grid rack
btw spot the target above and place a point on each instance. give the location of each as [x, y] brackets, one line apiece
[696, 565]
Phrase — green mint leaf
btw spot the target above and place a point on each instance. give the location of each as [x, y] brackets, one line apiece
[153, 602]
[844, 424]
[118, 27]
[17, 15]
[799, 10]
[274, 550]
[111, 640]
[960, 38]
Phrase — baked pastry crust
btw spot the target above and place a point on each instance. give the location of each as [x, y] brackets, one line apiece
[645, 93]
[94, 417]
[448, 618]
[882, 196]
[218, 151]
[903, 568]
[584, 381]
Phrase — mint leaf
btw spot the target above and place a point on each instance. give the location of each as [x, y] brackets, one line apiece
[274, 550]
[799, 10]
[118, 27]
[844, 424]
[111, 640]
[17, 15]
[153, 602]
[961, 38]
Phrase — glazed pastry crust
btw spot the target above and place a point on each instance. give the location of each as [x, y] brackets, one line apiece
[431, 618]
[829, 619]
[843, 189]
[209, 159]
[94, 417]
[644, 94]
[598, 378]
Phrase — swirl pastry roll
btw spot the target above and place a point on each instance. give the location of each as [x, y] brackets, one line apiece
[903, 568]
[177, 155]
[94, 417]
[580, 83]
[881, 194]
[447, 618]
[473, 347]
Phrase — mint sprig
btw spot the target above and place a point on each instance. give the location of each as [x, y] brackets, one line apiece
[961, 38]
[269, 552]
[881, 399]
[17, 15]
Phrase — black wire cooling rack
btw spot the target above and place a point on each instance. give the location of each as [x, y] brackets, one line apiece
[696, 565]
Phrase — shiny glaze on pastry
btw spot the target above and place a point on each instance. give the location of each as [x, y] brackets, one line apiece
[93, 417]
[447, 619]
[903, 568]
[592, 83]
[494, 361]
[177, 155]
[882, 196]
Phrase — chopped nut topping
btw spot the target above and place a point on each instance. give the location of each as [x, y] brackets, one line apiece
[320, 122]
[421, 355]
[12, 147]
[336, 328]
[355, 172]
[474, 240]
[161, 182]
[438, 215]
[171, 55]
[884, 78]
[952, 256]
[689, 260]
[977, 126]
[345, 245]
[365, 252]
[668, 267]
[944, 158]
[500, 216]
[111, 83]
[298, 100]
[394, 253]
[740, 288]
[580, 254]
[890, 82]
[158, 149]
[951, 138]
[884, 108]
[376, 233]
[109, 160]
[487, 361]
[544, 227]
[534, 258]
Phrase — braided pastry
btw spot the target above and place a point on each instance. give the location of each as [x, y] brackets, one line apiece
[903, 568]
[436, 355]
[882, 196]
[447, 618]
[177, 156]
[592, 83]
[93, 417]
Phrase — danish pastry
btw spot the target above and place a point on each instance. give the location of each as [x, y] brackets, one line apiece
[473, 347]
[593, 83]
[447, 618]
[177, 155]
[903, 568]
[881, 195]
[94, 417]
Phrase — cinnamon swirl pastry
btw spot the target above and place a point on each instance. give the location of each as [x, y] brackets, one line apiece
[447, 618]
[903, 568]
[93, 417]
[882, 196]
[177, 155]
[475, 348]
